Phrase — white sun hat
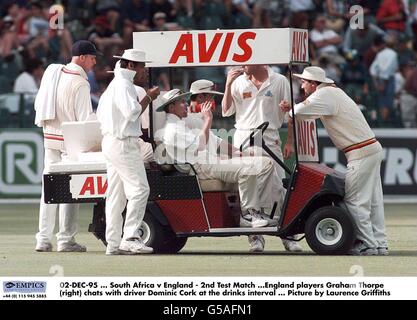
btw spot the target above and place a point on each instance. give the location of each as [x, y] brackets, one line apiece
[314, 74]
[170, 97]
[134, 55]
[203, 86]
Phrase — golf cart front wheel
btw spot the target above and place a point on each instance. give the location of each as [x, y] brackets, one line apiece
[330, 231]
[161, 238]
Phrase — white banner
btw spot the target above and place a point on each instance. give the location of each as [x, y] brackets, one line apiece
[223, 47]
[208, 288]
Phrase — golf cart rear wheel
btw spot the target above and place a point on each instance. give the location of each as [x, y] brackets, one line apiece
[330, 230]
[161, 238]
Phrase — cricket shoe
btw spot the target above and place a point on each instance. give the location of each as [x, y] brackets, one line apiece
[135, 246]
[257, 243]
[360, 249]
[272, 222]
[383, 251]
[43, 247]
[71, 247]
[252, 220]
[116, 252]
[291, 245]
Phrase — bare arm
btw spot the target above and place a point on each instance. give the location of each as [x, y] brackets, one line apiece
[205, 130]
[227, 97]
[151, 95]
[289, 145]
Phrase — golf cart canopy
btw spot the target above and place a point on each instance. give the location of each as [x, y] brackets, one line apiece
[223, 47]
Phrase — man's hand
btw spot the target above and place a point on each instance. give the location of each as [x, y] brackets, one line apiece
[153, 93]
[285, 106]
[233, 74]
[288, 150]
[206, 111]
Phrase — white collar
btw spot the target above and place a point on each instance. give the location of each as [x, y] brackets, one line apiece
[324, 85]
[124, 74]
[75, 67]
[173, 118]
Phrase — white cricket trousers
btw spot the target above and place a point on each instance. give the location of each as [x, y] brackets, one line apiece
[126, 181]
[68, 213]
[364, 199]
[273, 141]
[254, 175]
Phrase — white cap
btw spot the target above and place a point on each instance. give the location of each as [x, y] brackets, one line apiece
[133, 55]
[170, 97]
[314, 74]
[203, 86]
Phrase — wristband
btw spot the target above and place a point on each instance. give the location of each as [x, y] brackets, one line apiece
[149, 97]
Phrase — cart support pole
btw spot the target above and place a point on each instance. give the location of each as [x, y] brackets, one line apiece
[150, 107]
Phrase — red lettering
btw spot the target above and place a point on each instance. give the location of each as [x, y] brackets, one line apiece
[312, 137]
[247, 50]
[305, 137]
[101, 188]
[88, 186]
[301, 137]
[299, 46]
[184, 48]
[207, 54]
[294, 46]
[226, 46]
[304, 57]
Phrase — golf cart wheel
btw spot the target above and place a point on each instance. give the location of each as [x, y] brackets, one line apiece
[330, 230]
[161, 238]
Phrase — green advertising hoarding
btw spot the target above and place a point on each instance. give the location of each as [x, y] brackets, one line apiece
[21, 163]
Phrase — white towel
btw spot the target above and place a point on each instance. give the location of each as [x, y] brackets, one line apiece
[46, 97]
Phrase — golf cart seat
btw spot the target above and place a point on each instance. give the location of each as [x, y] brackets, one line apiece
[207, 185]
[212, 185]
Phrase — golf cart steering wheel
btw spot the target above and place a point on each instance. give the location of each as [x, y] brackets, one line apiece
[251, 139]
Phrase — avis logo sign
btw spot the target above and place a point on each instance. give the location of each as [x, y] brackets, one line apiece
[88, 185]
[299, 46]
[307, 140]
[185, 48]
[21, 163]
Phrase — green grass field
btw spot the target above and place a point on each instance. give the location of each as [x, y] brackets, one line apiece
[201, 256]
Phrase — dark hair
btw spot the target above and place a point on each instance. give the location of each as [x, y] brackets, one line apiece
[32, 64]
[379, 40]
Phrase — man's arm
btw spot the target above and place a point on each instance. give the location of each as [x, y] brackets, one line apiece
[289, 144]
[205, 130]
[151, 95]
[83, 108]
[227, 100]
[316, 105]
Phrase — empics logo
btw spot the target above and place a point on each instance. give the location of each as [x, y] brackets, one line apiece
[24, 286]
[9, 285]
[21, 163]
